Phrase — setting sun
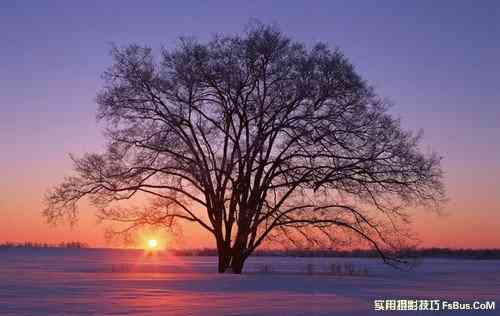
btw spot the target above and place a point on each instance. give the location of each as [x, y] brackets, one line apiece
[152, 243]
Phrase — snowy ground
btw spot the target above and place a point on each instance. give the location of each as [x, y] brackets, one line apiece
[117, 282]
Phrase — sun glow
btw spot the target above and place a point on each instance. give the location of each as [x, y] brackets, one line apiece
[152, 244]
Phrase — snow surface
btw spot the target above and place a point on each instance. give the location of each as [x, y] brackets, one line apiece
[124, 282]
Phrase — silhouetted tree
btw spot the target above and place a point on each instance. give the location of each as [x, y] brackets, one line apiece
[253, 137]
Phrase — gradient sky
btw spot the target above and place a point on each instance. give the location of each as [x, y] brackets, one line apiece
[438, 61]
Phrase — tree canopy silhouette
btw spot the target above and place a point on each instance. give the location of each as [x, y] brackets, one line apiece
[254, 137]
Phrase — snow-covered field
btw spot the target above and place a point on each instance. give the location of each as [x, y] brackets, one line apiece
[123, 282]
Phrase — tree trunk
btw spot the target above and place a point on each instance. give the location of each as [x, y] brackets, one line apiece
[237, 263]
[224, 260]
[224, 254]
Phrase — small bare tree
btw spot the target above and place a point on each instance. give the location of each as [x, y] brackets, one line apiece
[253, 137]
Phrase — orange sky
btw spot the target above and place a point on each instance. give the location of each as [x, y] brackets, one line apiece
[470, 218]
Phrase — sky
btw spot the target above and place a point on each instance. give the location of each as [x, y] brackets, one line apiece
[438, 62]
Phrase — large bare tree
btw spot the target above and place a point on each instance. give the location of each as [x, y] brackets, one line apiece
[253, 137]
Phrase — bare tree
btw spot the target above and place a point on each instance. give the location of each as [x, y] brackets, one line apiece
[253, 137]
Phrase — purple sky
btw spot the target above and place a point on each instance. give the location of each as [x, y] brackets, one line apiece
[437, 61]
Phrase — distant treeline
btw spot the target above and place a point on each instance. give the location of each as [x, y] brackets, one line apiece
[478, 254]
[72, 244]
[481, 254]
